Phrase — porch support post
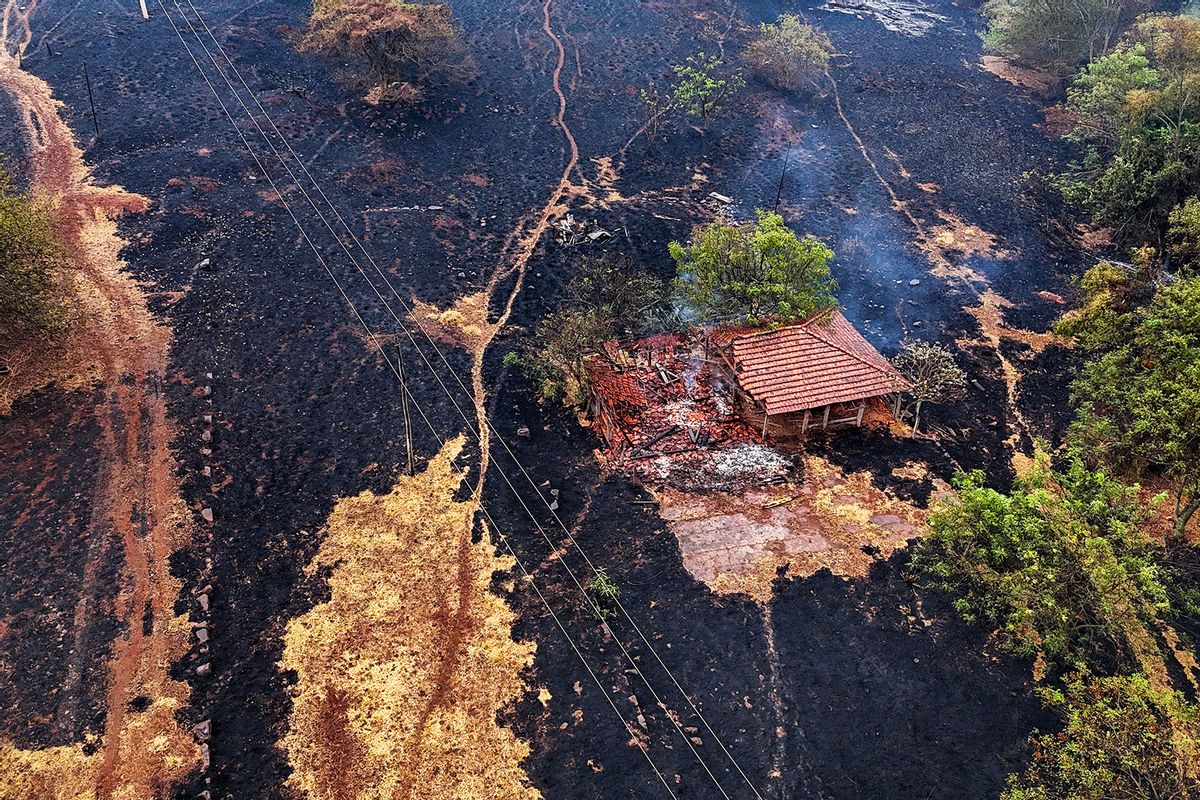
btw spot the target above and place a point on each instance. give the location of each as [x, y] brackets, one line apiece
[807, 414]
[766, 417]
[861, 408]
[825, 419]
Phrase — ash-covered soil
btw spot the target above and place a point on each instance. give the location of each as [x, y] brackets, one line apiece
[842, 689]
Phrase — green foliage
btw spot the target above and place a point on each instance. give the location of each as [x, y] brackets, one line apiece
[1137, 395]
[32, 265]
[701, 90]
[1059, 566]
[755, 271]
[1183, 235]
[1055, 35]
[789, 54]
[1137, 120]
[604, 594]
[1122, 739]
[394, 51]
[610, 298]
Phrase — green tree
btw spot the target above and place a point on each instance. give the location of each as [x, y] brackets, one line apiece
[33, 264]
[1059, 566]
[1122, 739]
[394, 51]
[1183, 236]
[756, 271]
[1056, 35]
[1137, 395]
[789, 54]
[1137, 113]
[701, 90]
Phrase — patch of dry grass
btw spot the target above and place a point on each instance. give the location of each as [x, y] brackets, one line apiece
[402, 672]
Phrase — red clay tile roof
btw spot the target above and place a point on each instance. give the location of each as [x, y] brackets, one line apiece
[614, 386]
[810, 365]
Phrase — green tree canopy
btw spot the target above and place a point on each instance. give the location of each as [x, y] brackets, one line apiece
[32, 264]
[1059, 566]
[1138, 393]
[789, 54]
[1137, 120]
[756, 271]
[1056, 35]
[701, 89]
[1122, 739]
[1183, 236]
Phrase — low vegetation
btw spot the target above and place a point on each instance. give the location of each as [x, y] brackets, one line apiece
[394, 52]
[756, 271]
[34, 274]
[610, 298]
[788, 54]
[1056, 35]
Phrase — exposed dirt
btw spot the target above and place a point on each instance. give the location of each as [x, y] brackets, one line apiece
[142, 749]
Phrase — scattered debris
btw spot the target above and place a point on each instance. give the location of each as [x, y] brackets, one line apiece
[571, 232]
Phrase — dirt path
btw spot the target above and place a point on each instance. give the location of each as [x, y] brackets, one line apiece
[142, 753]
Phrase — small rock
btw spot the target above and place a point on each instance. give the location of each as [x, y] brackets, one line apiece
[523, 431]
[206, 436]
[914, 282]
[207, 391]
[207, 471]
[207, 418]
[201, 635]
[204, 451]
[696, 740]
[205, 264]
[204, 669]
[207, 514]
[203, 601]
[203, 730]
[205, 761]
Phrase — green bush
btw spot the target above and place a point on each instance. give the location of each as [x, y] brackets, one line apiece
[33, 264]
[788, 54]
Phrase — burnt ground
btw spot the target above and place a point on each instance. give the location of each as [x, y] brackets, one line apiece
[873, 702]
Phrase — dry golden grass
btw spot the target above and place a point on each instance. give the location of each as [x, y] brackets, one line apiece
[402, 672]
[464, 324]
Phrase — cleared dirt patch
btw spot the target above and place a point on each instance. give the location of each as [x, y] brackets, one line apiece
[737, 543]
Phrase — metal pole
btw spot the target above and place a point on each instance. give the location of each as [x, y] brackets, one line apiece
[779, 189]
[91, 100]
[145, 11]
[404, 409]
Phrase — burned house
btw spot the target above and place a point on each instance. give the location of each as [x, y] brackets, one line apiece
[821, 372]
[711, 389]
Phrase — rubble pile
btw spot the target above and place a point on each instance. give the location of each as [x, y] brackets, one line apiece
[672, 418]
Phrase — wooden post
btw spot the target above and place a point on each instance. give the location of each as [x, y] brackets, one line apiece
[825, 420]
[896, 407]
[91, 101]
[807, 414]
[861, 408]
[766, 417]
[404, 410]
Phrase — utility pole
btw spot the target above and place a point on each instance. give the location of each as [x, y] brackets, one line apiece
[91, 100]
[779, 190]
[404, 409]
[145, 11]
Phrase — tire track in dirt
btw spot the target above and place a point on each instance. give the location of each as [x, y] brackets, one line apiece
[142, 753]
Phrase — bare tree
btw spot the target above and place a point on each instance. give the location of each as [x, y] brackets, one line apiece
[932, 374]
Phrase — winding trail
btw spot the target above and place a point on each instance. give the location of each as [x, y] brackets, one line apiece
[139, 504]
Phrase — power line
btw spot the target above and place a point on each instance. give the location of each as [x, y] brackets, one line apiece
[400, 324]
[458, 379]
[374, 338]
